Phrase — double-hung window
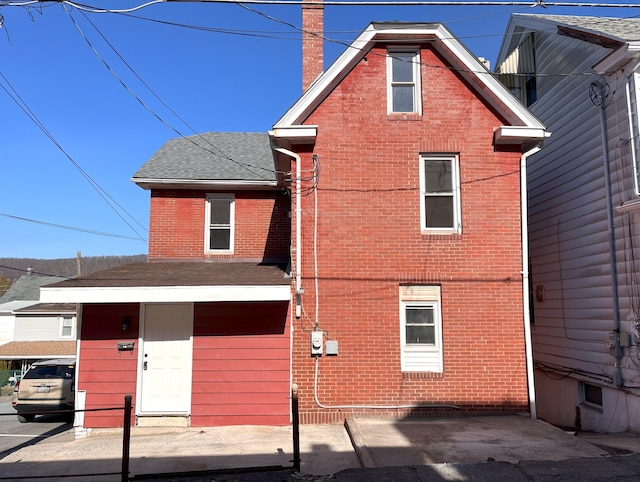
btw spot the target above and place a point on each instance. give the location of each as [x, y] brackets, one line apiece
[66, 326]
[440, 194]
[403, 81]
[633, 97]
[420, 329]
[219, 223]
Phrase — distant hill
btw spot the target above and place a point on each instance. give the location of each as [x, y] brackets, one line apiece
[13, 268]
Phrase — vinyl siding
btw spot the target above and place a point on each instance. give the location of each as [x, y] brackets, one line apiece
[241, 364]
[568, 228]
[39, 328]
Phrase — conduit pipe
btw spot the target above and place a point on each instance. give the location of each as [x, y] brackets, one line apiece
[612, 235]
[298, 261]
[525, 281]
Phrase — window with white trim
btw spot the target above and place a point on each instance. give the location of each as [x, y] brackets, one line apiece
[219, 228]
[403, 81]
[440, 194]
[420, 329]
[633, 96]
[66, 326]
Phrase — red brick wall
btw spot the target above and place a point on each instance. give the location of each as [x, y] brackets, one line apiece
[241, 364]
[177, 218]
[106, 374]
[369, 242]
[312, 41]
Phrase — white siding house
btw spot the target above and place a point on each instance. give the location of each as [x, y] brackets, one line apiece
[31, 331]
[581, 77]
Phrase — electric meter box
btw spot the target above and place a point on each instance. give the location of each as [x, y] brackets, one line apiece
[316, 343]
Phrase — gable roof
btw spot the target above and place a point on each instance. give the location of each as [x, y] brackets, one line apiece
[222, 159]
[27, 287]
[619, 34]
[523, 126]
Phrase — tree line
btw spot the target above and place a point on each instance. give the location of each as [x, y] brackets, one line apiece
[13, 268]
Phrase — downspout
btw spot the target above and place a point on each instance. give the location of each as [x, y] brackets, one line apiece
[612, 235]
[298, 261]
[525, 281]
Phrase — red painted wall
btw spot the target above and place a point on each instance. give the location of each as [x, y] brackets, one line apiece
[106, 374]
[369, 243]
[177, 219]
[241, 364]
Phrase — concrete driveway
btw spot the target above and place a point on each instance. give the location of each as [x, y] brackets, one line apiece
[384, 442]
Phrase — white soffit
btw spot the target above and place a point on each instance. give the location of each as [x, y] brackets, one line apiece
[165, 294]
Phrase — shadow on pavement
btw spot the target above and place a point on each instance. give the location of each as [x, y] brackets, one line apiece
[39, 438]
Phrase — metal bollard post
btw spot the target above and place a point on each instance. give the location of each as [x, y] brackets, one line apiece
[295, 419]
[126, 438]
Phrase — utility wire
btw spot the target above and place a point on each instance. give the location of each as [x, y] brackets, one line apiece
[19, 101]
[248, 167]
[62, 226]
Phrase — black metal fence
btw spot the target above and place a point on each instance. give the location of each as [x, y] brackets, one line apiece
[126, 438]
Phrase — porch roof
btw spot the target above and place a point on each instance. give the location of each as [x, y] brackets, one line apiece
[175, 281]
[18, 350]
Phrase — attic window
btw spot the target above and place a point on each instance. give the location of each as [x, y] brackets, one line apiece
[403, 81]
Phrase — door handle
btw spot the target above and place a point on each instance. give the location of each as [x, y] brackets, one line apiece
[144, 365]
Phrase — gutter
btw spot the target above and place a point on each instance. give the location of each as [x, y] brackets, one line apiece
[525, 281]
[298, 281]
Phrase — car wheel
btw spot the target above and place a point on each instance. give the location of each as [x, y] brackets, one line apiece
[24, 418]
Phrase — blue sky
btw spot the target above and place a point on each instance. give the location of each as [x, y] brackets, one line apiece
[227, 68]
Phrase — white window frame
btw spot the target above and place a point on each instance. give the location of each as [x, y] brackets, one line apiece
[633, 97]
[417, 91]
[427, 357]
[456, 227]
[226, 199]
[61, 319]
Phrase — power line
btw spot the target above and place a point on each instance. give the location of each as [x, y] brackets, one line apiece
[246, 166]
[19, 101]
[62, 226]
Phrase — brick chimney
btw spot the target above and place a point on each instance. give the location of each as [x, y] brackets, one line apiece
[312, 41]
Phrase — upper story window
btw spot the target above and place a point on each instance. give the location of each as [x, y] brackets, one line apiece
[440, 194]
[633, 96]
[66, 326]
[219, 226]
[420, 329]
[403, 81]
[518, 71]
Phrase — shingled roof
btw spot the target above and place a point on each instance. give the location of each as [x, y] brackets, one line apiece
[27, 288]
[213, 156]
[621, 29]
[172, 281]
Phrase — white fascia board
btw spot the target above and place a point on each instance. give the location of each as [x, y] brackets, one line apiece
[491, 88]
[148, 183]
[43, 356]
[473, 67]
[295, 133]
[618, 58]
[328, 80]
[519, 134]
[166, 294]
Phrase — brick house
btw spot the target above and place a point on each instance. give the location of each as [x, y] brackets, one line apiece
[367, 250]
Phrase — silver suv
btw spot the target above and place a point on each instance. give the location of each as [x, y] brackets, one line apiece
[47, 386]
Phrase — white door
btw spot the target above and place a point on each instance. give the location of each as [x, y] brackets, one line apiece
[166, 358]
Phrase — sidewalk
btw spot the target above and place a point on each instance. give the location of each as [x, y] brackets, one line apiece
[474, 448]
